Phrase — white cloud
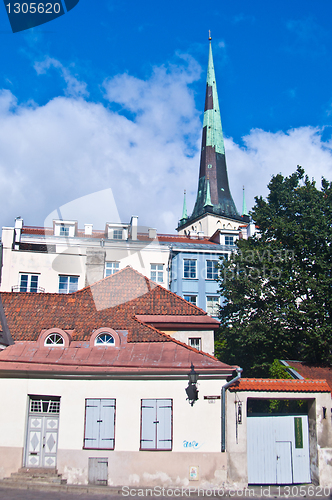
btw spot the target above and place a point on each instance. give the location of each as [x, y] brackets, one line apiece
[146, 154]
[266, 154]
[74, 87]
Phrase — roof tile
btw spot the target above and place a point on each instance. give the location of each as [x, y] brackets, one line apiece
[280, 385]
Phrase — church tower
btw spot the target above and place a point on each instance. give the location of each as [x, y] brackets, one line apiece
[214, 198]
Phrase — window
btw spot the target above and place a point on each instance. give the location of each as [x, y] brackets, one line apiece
[54, 339]
[117, 234]
[28, 283]
[229, 240]
[212, 306]
[191, 298]
[156, 424]
[64, 230]
[99, 424]
[211, 269]
[189, 268]
[157, 273]
[104, 339]
[44, 404]
[111, 268]
[195, 342]
[68, 284]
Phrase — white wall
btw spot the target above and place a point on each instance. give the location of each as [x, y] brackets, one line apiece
[196, 430]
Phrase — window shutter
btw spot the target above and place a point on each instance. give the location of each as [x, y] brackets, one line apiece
[164, 427]
[148, 424]
[92, 410]
[107, 424]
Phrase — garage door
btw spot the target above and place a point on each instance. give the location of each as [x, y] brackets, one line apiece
[278, 450]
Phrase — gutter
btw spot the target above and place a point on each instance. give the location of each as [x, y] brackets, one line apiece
[223, 407]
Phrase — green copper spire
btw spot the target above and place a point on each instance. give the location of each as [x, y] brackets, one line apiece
[212, 120]
[213, 194]
[244, 205]
[184, 211]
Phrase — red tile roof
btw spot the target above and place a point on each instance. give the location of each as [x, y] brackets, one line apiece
[112, 302]
[312, 372]
[183, 322]
[280, 385]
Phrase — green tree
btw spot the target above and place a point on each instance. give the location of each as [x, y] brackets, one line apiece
[277, 287]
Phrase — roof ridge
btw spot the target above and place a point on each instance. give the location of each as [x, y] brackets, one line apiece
[102, 279]
[172, 339]
[186, 301]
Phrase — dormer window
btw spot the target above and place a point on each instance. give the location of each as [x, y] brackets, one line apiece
[117, 234]
[64, 230]
[104, 339]
[54, 339]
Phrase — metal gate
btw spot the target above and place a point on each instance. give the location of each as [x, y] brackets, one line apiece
[42, 433]
[278, 450]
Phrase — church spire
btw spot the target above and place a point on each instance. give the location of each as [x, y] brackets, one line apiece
[184, 210]
[213, 170]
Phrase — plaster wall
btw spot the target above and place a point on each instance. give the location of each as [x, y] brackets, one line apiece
[207, 338]
[320, 434]
[48, 265]
[190, 437]
[209, 224]
[80, 257]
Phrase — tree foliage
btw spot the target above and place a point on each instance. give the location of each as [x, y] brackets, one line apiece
[277, 287]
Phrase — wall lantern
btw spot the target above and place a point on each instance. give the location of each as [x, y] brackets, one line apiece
[239, 412]
[191, 390]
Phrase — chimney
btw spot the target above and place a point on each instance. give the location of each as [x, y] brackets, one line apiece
[152, 233]
[88, 229]
[17, 232]
[133, 227]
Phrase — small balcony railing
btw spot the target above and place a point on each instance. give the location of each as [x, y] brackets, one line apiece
[20, 288]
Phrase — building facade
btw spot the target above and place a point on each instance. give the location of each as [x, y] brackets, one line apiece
[64, 258]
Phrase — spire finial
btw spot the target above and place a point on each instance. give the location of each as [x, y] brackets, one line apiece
[210, 37]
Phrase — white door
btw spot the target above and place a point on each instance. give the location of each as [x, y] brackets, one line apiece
[278, 450]
[42, 434]
[284, 466]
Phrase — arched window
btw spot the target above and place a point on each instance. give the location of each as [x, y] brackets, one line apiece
[104, 339]
[54, 339]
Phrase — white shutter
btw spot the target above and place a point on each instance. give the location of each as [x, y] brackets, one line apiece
[156, 424]
[107, 424]
[92, 410]
[148, 425]
[164, 426]
[99, 423]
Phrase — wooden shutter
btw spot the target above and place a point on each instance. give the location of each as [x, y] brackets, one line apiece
[164, 426]
[107, 424]
[99, 423]
[148, 424]
[92, 408]
[156, 424]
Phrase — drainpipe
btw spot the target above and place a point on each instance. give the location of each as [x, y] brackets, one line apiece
[223, 407]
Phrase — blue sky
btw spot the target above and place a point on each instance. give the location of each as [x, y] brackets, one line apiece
[111, 96]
